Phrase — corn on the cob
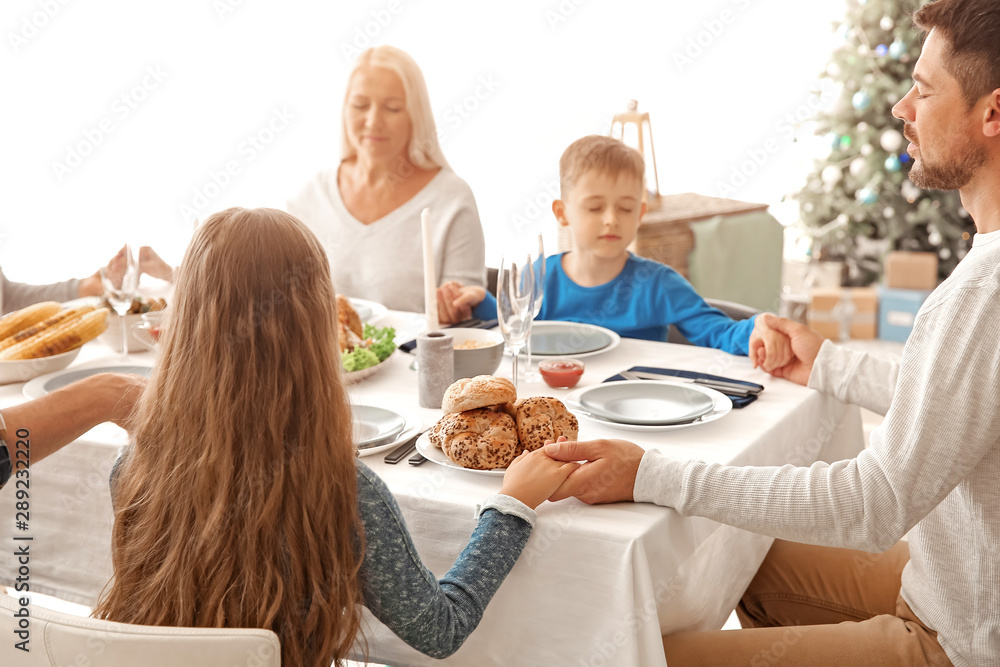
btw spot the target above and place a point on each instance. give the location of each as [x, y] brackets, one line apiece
[63, 337]
[11, 323]
[61, 316]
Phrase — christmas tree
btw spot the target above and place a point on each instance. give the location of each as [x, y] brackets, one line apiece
[858, 203]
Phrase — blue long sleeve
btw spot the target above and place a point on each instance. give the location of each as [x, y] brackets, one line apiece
[642, 302]
[434, 617]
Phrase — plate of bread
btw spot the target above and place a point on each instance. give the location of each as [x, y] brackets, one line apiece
[486, 426]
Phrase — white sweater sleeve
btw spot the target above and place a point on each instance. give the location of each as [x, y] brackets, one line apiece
[855, 377]
[463, 256]
[942, 421]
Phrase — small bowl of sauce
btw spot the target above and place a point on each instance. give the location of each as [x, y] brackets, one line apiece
[561, 373]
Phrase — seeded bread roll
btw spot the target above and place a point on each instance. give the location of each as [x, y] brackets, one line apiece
[542, 418]
[481, 439]
[478, 392]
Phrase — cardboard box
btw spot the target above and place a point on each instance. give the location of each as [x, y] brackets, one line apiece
[897, 311]
[839, 313]
[911, 270]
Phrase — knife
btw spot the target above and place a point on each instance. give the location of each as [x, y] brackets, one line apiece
[399, 453]
[731, 388]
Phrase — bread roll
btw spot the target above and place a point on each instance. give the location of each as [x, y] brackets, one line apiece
[542, 418]
[478, 392]
[481, 439]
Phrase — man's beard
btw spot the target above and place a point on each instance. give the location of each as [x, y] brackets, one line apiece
[953, 175]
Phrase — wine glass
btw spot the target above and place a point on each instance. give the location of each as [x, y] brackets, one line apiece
[121, 282]
[515, 306]
[539, 267]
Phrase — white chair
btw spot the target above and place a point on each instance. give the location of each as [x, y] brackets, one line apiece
[57, 639]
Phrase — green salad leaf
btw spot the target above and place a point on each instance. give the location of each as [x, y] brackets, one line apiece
[383, 340]
[358, 359]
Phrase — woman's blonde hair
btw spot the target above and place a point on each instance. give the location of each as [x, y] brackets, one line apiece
[424, 150]
[237, 504]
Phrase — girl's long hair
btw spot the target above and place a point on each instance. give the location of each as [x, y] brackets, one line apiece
[237, 504]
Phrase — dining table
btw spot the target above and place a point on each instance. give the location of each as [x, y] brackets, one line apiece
[596, 585]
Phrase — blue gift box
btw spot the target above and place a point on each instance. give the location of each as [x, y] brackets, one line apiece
[897, 310]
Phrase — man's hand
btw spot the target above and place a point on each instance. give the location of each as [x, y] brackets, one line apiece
[532, 477]
[92, 285]
[608, 474]
[456, 301]
[805, 344]
[769, 348]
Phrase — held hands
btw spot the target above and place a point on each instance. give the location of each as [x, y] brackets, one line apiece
[608, 474]
[769, 349]
[456, 301]
[149, 263]
[532, 477]
[803, 345]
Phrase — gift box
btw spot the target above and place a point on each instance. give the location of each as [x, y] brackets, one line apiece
[911, 270]
[839, 313]
[897, 311]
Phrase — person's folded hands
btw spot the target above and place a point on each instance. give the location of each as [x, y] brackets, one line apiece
[456, 301]
[769, 348]
[532, 477]
[607, 474]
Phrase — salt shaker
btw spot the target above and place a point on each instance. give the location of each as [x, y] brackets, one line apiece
[435, 366]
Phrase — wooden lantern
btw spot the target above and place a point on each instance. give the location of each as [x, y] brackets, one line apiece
[643, 128]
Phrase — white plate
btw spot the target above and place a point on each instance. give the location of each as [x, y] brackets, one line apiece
[370, 312]
[435, 455]
[646, 402]
[49, 383]
[411, 429]
[586, 331]
[375, 426]
[358, 376]
[723, 406]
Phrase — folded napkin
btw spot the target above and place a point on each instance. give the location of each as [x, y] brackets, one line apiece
[738, 401]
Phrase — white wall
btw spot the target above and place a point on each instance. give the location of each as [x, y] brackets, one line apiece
[199, 77]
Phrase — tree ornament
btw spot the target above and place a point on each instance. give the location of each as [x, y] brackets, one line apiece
[862, 126]
[905, 158]
[831, 174]
[892, 164]
[891, 141]
[888, 212]
[861, 100]
[867, 196]
[945, 254]
[866, 150]
[858, 166]
[845, 142]
[881, 50]
[898, 49]
[887, 23]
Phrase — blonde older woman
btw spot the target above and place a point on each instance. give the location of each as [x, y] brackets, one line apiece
[366, 210]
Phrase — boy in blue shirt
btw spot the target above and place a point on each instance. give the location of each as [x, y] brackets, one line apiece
[600, 282]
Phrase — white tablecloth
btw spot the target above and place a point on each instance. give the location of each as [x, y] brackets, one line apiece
[595, 585]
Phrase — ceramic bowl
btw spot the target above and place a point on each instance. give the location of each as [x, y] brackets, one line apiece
[482, 360]
[27, 369]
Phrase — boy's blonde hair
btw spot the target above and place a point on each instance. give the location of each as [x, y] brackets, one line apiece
[598, 153]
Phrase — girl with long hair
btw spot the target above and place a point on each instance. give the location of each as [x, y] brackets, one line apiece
[241, 502]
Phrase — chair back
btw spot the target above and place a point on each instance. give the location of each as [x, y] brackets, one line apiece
[57, 639]
[737, 311]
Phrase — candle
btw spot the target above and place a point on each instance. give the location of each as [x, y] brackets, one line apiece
[430, 281]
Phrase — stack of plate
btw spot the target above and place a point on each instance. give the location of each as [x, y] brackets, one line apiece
[377, 429]
[648, 404]
[571, 339]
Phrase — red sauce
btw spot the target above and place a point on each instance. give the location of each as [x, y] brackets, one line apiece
[154, 333]
[562, 373]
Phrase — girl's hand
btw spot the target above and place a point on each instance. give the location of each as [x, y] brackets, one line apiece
[532, 477]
